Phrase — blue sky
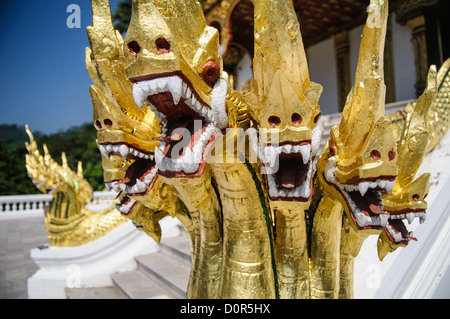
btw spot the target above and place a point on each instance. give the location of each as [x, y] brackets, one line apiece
[43, 78]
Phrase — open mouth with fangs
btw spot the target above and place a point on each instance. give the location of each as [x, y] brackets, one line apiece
[288, 169]
[126, 205]
[190, 125]
[140, 175]
[396, 230]
[363, 197]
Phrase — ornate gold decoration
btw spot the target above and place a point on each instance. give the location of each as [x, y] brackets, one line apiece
[69, 222]
[239, 171]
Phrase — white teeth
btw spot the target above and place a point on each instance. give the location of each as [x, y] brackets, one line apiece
[362, 219]
[410, 217]
[271, 153]
[139, 96]
[303, 191]
[103, 151]
[382, 183]
[363, 187]
[317, 136]
[305, 150]
[191, 159]
[115, 187]
[123, 149]
[390, 186]
[396, 235]
[384, 218]
[330, 168]
[125, 208]
[176, 86]
[159, 159]
[286, 148]
[108, 186]
[422, 217]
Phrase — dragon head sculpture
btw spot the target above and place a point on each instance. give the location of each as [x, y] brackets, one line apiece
[359, 160]
[407, 200]
[284, 103]
[69, 222]
[175, 66]
[125, 131]
[58, 180]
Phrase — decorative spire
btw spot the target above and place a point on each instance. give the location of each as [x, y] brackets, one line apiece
[365, 104]
[281, 77]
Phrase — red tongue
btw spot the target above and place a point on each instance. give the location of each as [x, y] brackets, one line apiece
[376, 209]
[373, 203]
[287, 178]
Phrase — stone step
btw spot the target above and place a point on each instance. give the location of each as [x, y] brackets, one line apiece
[178, 248]
[94, 293]
[136, 285]
[167, 272]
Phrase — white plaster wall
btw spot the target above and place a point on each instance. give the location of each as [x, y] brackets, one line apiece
[322, 69]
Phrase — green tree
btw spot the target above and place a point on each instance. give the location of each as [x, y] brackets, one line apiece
[122, 16]
[79, 144]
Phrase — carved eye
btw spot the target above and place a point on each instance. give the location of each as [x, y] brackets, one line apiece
[211, 72]
[332, 150]
[296, 118]
[134, 47]
[162, 45]
[416, 197]
[391, 154]
[375, 154]
[274, 120]
[98, 124]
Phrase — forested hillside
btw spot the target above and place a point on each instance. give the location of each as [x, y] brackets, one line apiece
[79, 144]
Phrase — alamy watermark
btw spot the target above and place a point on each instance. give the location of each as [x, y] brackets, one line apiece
[74, 19]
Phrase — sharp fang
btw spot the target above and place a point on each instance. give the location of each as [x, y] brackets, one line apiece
[108, 186]
[159, 159]
[176, 88]
[363, 187]
[103, 151]
[390, 186]
[142, 187]
[384, 220]
[410, 217]
[124, 150]
[423, 217]
[139, 95]
[305, 150]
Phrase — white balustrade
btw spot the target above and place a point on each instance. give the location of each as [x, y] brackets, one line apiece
[35, 204]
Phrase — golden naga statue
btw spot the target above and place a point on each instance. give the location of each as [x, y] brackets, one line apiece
[239, 172]
[69, 222]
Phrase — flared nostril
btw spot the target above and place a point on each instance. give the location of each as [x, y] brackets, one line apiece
[134, 47]
[98, 124]
[162, 45]
[108, 123]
